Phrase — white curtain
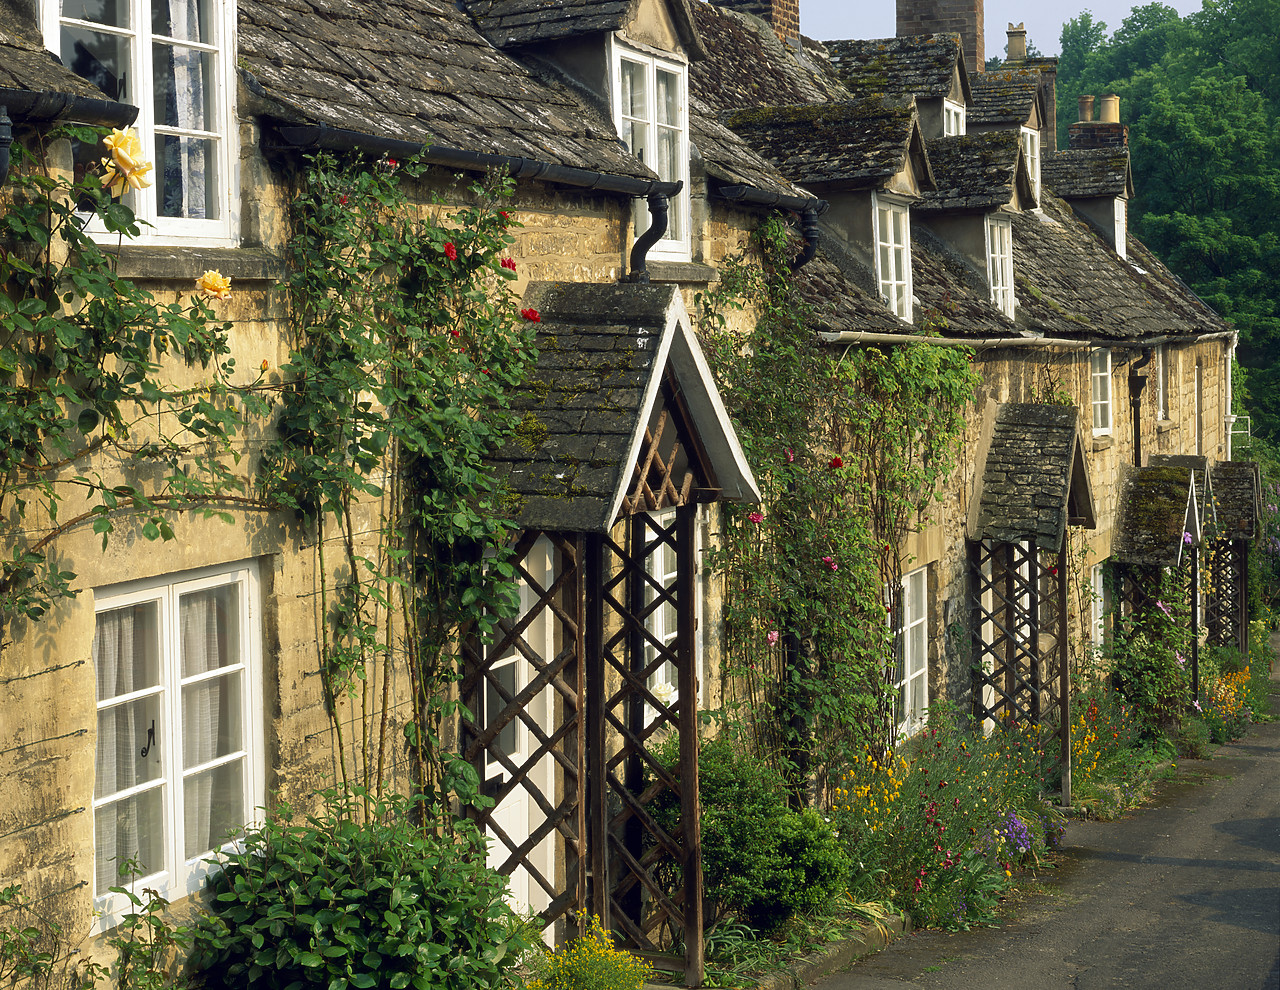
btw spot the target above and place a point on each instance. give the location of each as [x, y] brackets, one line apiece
[203, 708]
[116, 824]
[185, 159]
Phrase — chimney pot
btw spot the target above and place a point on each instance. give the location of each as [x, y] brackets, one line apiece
[1110, 109]
[1017, 42]
[1086, 108]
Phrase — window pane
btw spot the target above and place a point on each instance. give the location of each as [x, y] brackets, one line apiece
[188, 20]
[113, 12]
[186, 177]
[129, 829]
[103, 59]
[668, 98]
[212, 719]
[131, 741]
[209, 626]
[126, 650]
[635, 102]
[183, 82]
[213, 807]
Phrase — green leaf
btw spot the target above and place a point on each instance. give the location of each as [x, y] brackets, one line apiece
[87, 421]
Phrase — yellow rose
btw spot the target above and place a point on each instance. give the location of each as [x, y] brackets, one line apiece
[126, 168]
[214, 285]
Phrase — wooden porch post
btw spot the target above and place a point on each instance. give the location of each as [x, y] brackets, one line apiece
[1064, 675]
[596, 783]
[690, 806]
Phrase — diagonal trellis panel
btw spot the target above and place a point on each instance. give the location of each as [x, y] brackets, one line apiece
[1226, 608]
[643, 820]
[555, 599]
[1019, 620]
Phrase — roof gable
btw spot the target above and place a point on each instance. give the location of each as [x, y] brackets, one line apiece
[1087, 173]
[862, 144]
[615, 362]
[1005, 97]
[1034, 481]
[926, 66]
[517, 23]
[1158, 515]
[978, 172]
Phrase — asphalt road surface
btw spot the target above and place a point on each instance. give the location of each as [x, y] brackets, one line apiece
[1185, 893]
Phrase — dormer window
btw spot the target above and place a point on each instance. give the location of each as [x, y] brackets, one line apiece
[173, 60]
[1000, 263]
[893, 253]
[953, 119]
[651, 109]
[1122, 228]
[1031, 152]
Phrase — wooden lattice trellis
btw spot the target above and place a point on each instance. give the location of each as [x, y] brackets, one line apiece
[1138, 590]
[1227, 604]
[1019, 633]
[495, 707]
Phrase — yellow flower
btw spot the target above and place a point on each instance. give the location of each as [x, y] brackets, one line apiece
[126, 168]
[214, 285]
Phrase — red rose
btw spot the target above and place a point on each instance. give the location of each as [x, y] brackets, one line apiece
[509, 263]
[450, 251]
[836, 462]
[531, 315]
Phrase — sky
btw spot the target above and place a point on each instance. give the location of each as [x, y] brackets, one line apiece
[828, 19]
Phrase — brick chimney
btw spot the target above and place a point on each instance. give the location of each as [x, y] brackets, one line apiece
[964, 17]
[1105, 133]
[782, 15]
[1017, 42]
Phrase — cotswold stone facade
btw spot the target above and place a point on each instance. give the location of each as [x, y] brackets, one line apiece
[920, 229]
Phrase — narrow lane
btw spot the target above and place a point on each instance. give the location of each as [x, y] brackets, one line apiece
[1182, 894]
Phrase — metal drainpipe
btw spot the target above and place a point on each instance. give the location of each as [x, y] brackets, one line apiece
[659, 208]
[1137, 382]
[812, 235]
[6, 139]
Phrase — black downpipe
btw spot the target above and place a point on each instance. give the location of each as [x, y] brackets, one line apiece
[812, 236]
[6, 139]
[659, 209]
[1137, 382]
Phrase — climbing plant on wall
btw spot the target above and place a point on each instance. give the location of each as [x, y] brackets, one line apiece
[115, 409]
[849, 447]
[406, 343]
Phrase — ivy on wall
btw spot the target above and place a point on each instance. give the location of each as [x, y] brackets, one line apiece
[850, 448]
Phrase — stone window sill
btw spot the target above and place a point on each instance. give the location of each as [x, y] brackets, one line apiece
[1103, 442]
[1165, 425]
[681, 271]
[146, 261]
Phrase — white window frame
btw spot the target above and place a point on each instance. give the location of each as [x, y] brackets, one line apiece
[1121, 216]
[1000, 263]
[954, 118]
[665, 677]
[1031, 152]
[157, 229]
[1100, 390]
[913, 614]
[1162, 382]
[1098, 605]
[896, 286]
[1199, 387]
[677, 246]
[182, 875]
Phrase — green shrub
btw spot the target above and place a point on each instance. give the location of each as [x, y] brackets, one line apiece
[590, 962]
[340, 903]
[1192, 738]
[760, 859]
[1150, 672]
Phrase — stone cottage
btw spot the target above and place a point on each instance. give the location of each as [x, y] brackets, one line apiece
[646, 138]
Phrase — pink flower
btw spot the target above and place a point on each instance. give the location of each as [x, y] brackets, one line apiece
[509, 263]
[531, 315]
[450, 251]
[836, 462]
[772, 638]
[1186, 538]
[1163, 608]
[831, 562]
[791, 457]
[756, 517]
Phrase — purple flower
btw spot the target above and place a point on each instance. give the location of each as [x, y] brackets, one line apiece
[1186, 538]
[1164, 608]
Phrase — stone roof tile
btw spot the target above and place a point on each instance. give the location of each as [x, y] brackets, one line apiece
[1005, 96]
[921, 65]
[1153, 514]
[1082, 173]
[973, 171]
[417, 70]
[1237, 498]
[26, 65]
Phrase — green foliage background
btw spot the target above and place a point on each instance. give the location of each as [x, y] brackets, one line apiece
[1200, 94]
